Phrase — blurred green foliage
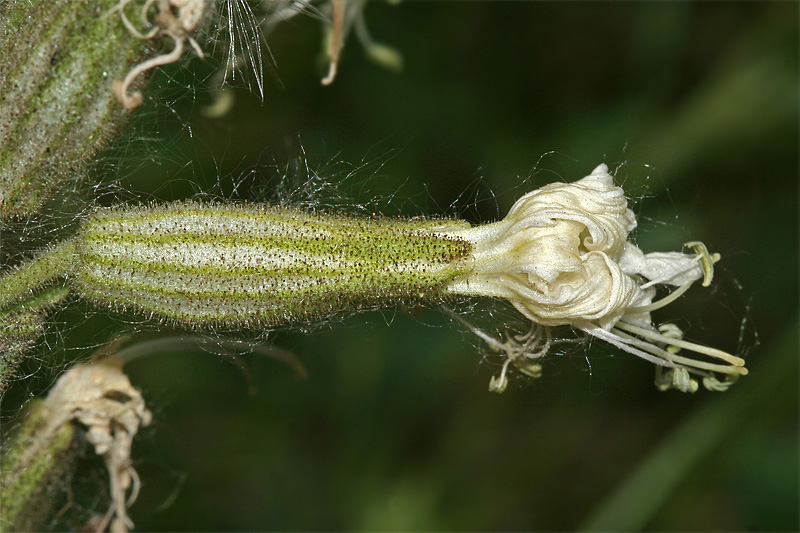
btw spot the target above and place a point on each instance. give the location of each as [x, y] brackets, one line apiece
[696, 104]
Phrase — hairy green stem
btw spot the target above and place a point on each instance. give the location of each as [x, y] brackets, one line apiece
[23, 305]
[20, 327]
[21, 282]
[34, 463]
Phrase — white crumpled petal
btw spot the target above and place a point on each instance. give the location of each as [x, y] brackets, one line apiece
[599, 292]
[663, 268]
[594, 202]
[555, 254]
[562, 257]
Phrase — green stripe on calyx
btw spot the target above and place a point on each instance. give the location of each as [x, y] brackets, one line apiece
[223, 264]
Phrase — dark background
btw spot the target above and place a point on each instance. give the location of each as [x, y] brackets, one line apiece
[694, 105]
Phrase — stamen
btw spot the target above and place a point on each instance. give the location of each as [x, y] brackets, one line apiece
[707, 260]
[519, 350]
[499, 383]
[699, 348]
[658, 304]
[679, 360]
[618, 341]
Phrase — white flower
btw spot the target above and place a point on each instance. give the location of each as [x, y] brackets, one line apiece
[562, 257]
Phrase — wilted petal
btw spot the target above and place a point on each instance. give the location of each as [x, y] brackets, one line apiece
[562, 257]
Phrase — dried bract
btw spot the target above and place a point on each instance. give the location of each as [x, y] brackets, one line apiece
[176, 19]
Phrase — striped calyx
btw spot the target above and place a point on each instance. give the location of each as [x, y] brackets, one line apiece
[231, 265]
[58, 59]
[58, 62]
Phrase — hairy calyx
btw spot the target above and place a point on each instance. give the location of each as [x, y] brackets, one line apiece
[256, 266]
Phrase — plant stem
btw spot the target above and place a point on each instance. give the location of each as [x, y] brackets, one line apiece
[33, 464]
[20, 326]
[21, 282]
[22, 307]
